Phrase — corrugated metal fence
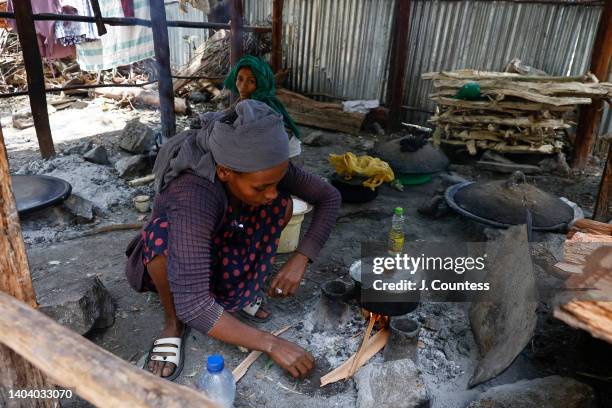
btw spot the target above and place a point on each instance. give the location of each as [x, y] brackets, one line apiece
[183, 41]
[341, 47]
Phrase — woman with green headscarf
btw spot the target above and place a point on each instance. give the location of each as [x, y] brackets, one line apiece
[252, 78]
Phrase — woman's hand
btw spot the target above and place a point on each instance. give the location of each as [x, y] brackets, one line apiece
[288, 279]
[291, 357]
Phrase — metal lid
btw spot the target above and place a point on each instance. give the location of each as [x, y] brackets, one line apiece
[505, 203]
[411, 155]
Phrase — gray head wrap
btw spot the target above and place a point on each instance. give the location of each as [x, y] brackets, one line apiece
[256, 140]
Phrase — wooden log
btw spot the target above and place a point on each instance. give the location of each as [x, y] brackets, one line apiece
[500, 106]
[35, 76]
[162, 56]
[139, 95]
[277, 35]
[581, 245]
[500, 94]
[604, 196]
[590, 117]
[142, 180]
[306, 111]
[543, 88]
[93, 373]
[592, 227]
[480, 75]
[520, 121]
[398, 61]
[16, 373]
[375, 344]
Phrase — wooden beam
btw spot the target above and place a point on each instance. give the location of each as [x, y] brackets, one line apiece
[397, 68]
[91, 372]
[277, 35]
[590, 116]
[604, 197]
[16, 373]
[236, 31]
[35, 76]
[162, 55]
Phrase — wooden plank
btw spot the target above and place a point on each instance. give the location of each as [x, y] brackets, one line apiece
[500, 106]
[479, 75]
[590, 117]
[593, 227]
[277, 35]
[93, 373]
[604, 196]
[581, 245]
[398, 61]
[16, 373]
[162, 56]
[519, 121]
[35, 76]
[543, 88]
[500, 94]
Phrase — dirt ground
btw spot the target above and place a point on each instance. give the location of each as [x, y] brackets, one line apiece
[448, 353]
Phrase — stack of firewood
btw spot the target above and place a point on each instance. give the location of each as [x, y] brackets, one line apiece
[588, 263]
[514, 113]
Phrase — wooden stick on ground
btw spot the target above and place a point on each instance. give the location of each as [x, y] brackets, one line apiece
[366, 338]
[142, 180]
[243, 367]
[376, 343]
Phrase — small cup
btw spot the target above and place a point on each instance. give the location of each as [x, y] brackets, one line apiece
[142, 203]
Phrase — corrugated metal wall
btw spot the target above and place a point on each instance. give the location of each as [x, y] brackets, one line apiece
[334, 47]
[183, 41]
[486, 35]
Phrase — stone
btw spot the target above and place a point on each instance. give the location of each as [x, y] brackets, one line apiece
[81, 148]
[316, 139]
[81, 305]
[132, 166]
[79, 105]
[394, 384]
[136, 137]
[97, 155]
[502, 329]
[23, 119]
[549, 392]
[81, 208]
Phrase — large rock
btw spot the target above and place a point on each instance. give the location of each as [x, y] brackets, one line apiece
[81, 208]
[394, 384]
[132, 167]
[80, 148]
[97, 155]
[81, 305]
[136, 137]
[502, 328]
[549, 392]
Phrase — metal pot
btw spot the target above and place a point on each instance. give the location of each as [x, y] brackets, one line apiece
[393, 307]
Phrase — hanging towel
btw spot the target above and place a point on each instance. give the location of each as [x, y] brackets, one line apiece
[74, 32]
[45, 30]
[121, 45]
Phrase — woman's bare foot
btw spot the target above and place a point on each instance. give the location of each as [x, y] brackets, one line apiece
[162, 368]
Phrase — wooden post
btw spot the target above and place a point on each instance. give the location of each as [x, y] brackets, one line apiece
[35, 76]
[602, 206]
[277, 35]
[397, 67]
[89, 371]
[159, 25]
[95, 7]
[590, 115]
[15, 372]
[236, 31]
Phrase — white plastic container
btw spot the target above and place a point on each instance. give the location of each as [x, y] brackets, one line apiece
[290, 237]
[217, 382]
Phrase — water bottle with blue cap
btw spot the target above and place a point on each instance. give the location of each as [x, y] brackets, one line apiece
[217, 382]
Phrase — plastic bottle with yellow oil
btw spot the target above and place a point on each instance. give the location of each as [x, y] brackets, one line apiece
[396, 233]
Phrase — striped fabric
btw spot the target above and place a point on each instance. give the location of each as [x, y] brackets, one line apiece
[121, 45]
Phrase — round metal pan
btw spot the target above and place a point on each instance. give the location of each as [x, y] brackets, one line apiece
[36, 192]
[450, 193]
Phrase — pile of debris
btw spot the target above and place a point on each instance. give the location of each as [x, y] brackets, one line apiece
[62, 72]
[508, 112]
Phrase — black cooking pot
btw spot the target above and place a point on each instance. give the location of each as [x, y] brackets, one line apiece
[393, 306]
[353, 190]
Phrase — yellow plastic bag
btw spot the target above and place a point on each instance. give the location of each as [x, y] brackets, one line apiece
[349, 165]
